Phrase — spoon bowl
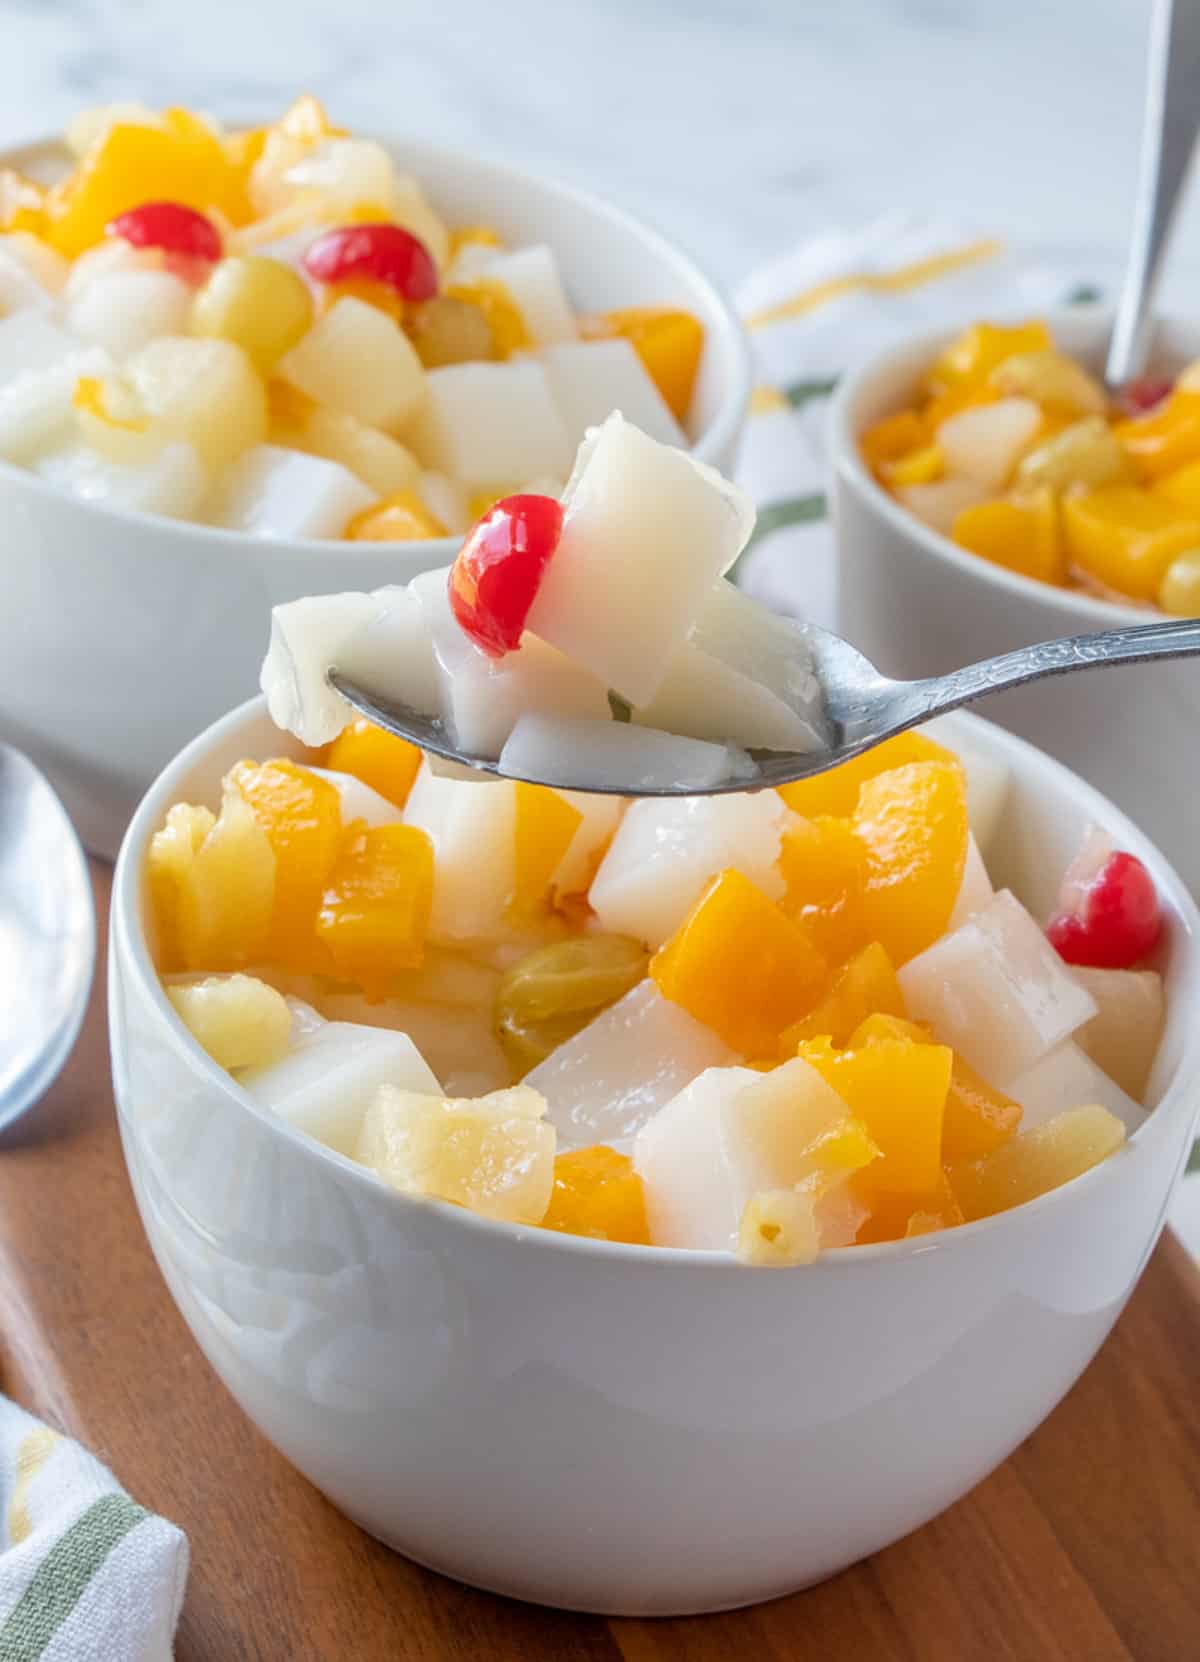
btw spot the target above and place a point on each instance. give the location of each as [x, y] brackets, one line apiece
[47, 935]
[854, 706]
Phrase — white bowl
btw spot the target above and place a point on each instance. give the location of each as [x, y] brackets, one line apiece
[125, 635]
[917, 604]
[613, 1428]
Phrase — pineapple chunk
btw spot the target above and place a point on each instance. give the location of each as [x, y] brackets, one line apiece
[779, 1229]
[357, 360]
[494, 1155]
[604, 1084]
[996, 991]
[204, 391]
[213, 886]
[1036, 1161]
[590, 379]
[646, 534]
[125, 310]
[326, 1082]
[380, 461]
[238, 1020]
[665, 851]
[472, 826]
[983, 443]
[1122, 1038]
[270, 492]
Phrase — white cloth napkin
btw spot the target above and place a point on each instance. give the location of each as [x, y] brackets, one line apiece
[86, 1575]
[838, 298]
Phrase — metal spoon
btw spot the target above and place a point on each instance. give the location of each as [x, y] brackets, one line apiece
[856, 707]
[1168, 140]
[47, 935]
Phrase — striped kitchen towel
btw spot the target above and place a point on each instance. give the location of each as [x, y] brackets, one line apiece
[86, 1575]
[839, 297]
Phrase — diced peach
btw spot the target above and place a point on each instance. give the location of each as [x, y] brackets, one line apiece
[913, 821]
[669, 343]
[978, 1118]
[898, 1090]
[388, 764]
[597, 1193]
[1036, 1161]
[374, 911]
[740, 966]
[546, 824]
[1127, 537]
[1183, 489]
[824, 864]
[865, 986]
[1020, 533]
[836, 790]
[916, 467]
[972, 356]
[1166, 439]
[897, 1217]
[895, 436]
[301, 815]
[181, 161]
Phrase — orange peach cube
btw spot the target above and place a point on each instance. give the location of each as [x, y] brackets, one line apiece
[374, 911]
[388, 764]
[597, 1193]
[913, 821]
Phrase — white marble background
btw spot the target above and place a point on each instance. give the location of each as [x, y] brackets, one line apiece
[737, 125]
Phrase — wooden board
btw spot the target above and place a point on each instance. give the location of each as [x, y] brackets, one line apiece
[1084, 1547]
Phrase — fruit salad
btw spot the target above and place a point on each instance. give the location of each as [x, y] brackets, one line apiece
[1015, 451]
[275, 332]
[767, 1023]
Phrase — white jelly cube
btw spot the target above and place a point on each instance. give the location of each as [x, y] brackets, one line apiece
[646, 533]
[996, 991]
[307, 636]
[273, 492]
[604, 1084]
[359, 801]
[487, 425]
[938, 505]
[531, 278]
[703, 698]
[727, 1135]
[1066, 1077]
[124, 310]
[599, 818]
[591, 379]
[357, 360]
[983, 443]
[473, 831]
[29, 341]
[172, 483]
[324, 1085]
[392, 653]
[1123, 1036]
[666, 851]
[482, 698]
[456, 1040]
[975, 891]
[37, 409]
[593, 754]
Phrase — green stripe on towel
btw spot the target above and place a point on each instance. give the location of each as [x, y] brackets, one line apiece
[800, 393]
[62, 1577]
[778, 516]
[1193, 1164]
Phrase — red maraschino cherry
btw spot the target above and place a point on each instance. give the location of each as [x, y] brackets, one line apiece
[171, 226]
[1115, 920]
[499, 570]
[379, 253]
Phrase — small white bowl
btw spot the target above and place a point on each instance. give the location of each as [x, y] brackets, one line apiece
[124, 635]
[917, 604]
[621, 1429]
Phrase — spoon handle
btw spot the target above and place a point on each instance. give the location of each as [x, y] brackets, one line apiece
[1140, 642]
[1168, 138]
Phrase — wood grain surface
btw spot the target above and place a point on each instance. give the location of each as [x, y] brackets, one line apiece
[1084, 1547]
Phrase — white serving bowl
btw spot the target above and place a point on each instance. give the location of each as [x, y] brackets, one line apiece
[613, 1428]
[917, 604]
[122, 635]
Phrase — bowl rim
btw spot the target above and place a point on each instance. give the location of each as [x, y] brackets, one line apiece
[847, 461]
[129, 956]
[720, 432]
